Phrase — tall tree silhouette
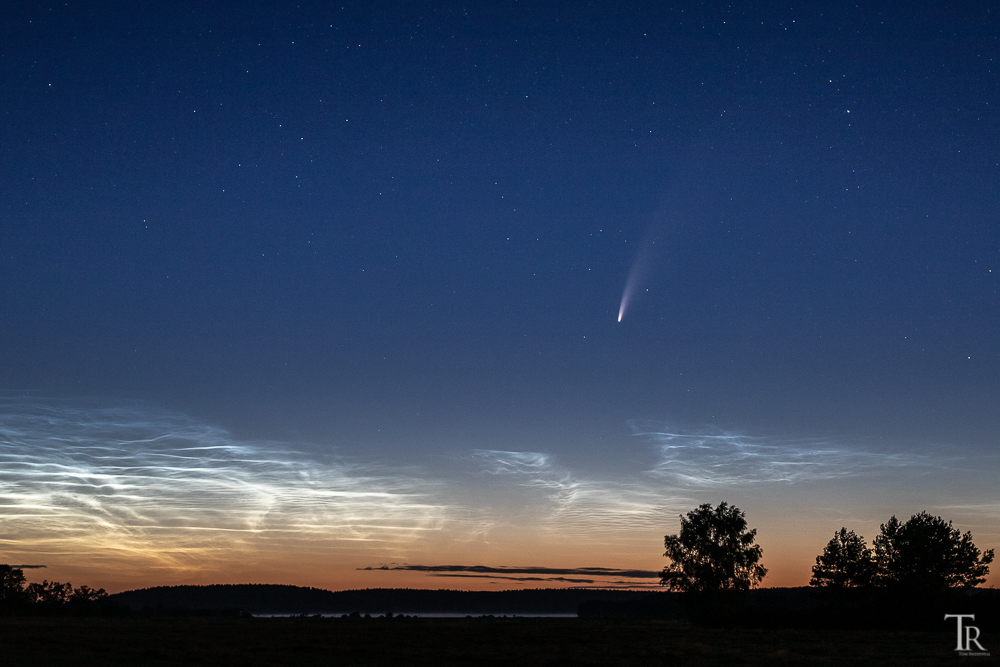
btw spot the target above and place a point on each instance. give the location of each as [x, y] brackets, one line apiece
[714, 551]
[846, 562]
[11, 586]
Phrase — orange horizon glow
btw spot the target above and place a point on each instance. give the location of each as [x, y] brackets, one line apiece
[125, 499]
[789, 565]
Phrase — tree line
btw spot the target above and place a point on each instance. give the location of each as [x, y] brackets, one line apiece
[715, 551]
[18, 596]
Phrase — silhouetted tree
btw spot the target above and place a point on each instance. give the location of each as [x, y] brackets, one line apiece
[11, 586]
[45, 597]
[714, 551]
[846, 562]
[85, 594]
[928, 553]
[49, 593]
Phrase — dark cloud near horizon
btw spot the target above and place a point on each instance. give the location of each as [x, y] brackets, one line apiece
[457, 570]
[569, 580]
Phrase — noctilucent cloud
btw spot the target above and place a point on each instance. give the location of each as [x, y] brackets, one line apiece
[486, 297]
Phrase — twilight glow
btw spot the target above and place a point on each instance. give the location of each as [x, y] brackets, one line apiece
[322, 294]
[134, 495]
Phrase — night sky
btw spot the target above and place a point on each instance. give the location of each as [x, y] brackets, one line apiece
[291, 290]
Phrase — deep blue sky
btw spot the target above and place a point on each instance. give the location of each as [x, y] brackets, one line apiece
[402, 230]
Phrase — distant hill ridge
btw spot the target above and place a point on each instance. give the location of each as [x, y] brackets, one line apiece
[287, 599]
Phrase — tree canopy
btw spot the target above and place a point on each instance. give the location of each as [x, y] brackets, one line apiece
[11, 586]
[714, 551]
[846, 562]
[926, 552]
[47, 596]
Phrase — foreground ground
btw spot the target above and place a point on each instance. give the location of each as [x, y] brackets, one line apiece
[430, 641]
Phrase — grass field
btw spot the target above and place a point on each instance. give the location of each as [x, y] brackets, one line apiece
[434, 641]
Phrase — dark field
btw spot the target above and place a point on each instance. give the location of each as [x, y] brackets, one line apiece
[437, 641]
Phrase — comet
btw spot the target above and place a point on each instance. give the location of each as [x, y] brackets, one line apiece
[630, 285]
[639, 271]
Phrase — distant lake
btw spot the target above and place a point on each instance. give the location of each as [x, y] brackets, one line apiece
[419, 615]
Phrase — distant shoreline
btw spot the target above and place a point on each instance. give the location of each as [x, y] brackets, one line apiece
[766, 607]
[287, 600]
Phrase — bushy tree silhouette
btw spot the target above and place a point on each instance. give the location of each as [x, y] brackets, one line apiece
[926, 552]
[87, 594]
[846, 562]
[11, 586]
[714, 551]
[49, 593]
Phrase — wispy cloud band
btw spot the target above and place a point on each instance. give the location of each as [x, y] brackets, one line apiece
[116, 487]
[725, 459]
[578, 507]
[156, 485]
